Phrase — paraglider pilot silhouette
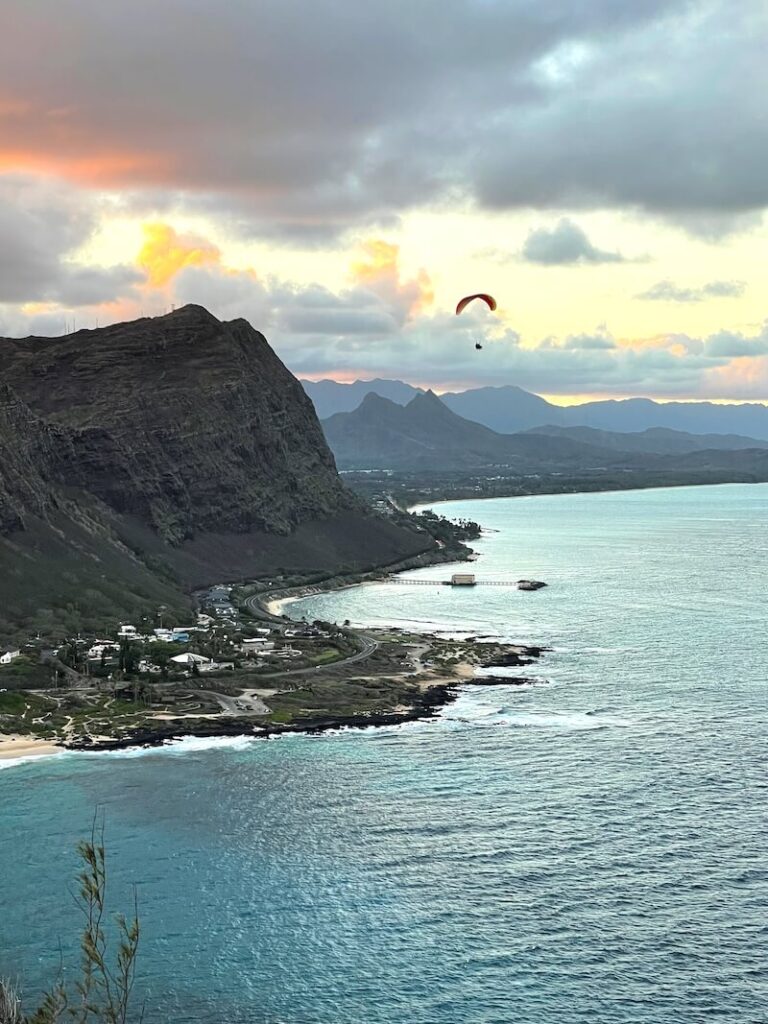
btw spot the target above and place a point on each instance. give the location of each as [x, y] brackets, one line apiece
[488, 299]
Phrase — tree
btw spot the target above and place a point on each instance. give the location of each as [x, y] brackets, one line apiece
[102, 993]
[128, 658]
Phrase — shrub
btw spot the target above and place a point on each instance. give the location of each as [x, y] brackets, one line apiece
[102, 993]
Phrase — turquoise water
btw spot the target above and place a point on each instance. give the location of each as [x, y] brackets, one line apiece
[590, 848]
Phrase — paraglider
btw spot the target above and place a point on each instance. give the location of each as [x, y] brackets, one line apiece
[488, 299]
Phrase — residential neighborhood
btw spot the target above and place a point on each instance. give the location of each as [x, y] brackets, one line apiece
[219, 640]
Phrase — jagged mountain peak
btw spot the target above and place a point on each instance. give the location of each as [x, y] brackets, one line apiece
[375, 401]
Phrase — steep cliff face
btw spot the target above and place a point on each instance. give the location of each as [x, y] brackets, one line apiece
[185, 422]
[27, 451]
[178, 441]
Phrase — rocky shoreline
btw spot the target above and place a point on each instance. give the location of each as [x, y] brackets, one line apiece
[426, 705]
[400, 694]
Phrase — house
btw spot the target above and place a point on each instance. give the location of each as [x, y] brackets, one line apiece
[102, 649]
[256, 645]
[225, 610]
[127, 632]
[146, 666]
[189, 659]
[9, 656]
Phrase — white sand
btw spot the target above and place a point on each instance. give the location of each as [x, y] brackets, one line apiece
[278, 604]
[13, 747]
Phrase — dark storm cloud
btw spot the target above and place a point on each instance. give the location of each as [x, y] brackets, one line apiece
[668, 291]
[304, 119]
[39, 226]
[565, 243]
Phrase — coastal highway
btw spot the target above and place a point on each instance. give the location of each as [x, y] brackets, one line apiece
[249, 703]
[258, 611]
[368, 644]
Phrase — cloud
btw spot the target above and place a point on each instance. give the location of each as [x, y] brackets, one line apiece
[41, 226]
[302, 121]
[165, 252]
[379, 301]
[732, 345]
[668, 291]
[564, 244]
[595, 342]
[379, 272]
[380, 322]
[439, 351]
[724, 289]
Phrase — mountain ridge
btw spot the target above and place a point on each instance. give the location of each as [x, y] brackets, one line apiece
[509, 409]
[654, 440]
[427, 434]
[168, 452]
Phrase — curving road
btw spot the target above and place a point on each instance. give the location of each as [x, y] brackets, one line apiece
[369, 645]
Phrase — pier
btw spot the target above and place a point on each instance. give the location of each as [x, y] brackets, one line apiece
[465, 579]
[450, 583]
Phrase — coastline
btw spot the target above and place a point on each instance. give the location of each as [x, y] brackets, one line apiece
[17, 747]
[431, 698]
[424, 697]
[417, 693]
[273, 602]
[424, 505]
[276, 606]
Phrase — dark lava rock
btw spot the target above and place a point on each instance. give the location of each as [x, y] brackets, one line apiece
[525, 656]
[504, 681]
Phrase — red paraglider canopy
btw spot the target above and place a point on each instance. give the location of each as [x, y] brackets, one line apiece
[470, 298]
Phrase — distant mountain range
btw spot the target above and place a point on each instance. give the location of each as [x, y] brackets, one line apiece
[426, 435]
[657, 440]
[329, 397]
[509, 409]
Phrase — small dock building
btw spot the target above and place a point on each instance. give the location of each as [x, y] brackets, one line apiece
[463, 579]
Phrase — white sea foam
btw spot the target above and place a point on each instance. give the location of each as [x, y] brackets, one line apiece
[183, 745]
[15, 762]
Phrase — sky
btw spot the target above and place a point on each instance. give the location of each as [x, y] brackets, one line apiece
[341, 173]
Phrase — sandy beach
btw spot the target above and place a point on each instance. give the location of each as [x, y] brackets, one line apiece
[278, 605]
[13, 747]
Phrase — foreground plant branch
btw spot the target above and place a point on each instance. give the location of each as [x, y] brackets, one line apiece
[102, 992]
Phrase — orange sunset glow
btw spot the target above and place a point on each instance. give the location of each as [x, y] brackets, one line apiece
[357, 220]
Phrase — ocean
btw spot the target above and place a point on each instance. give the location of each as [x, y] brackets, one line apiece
[592, 847]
